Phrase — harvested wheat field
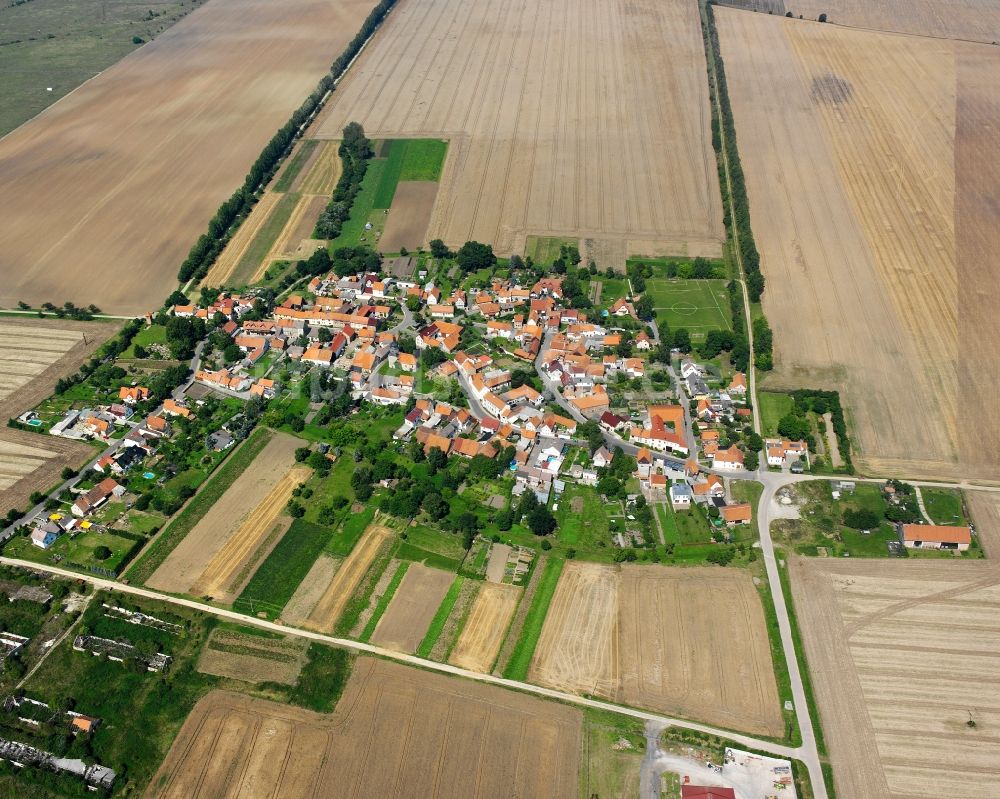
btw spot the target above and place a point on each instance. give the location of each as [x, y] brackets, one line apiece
[479, 644]
[685, 641]
[225, 265]
[903, 655]
[253, 658]
[222, 542]
[321, 172]
[233, 565]
[974, 20]
[347, 578]
[871, 265]
[404, 623]
[310, 590]
[120, 177]
[396, 732]
[564, 118]
[409, 216]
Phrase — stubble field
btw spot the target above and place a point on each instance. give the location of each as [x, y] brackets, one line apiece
[396, 732]
[224, 543]
[572, 119]
[120, 178]
[903, 655]
[404, 623]
[861, 151]
[479, 643]
[685, 641]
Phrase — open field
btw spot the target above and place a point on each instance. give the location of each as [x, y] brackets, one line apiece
[206, 558]
[688, 641]
[903, 655]
[232, 256]
[27, 350]
[222, 578]
[479, 643]
[49, 47]
[151, 147]
[563, 119]
[347, 578]
[409, 216]
[252, 658]
[985, 510]
[310, 590]
[322, 170]
[695, 305]
[395, 732]
[874, 254]
[412, 607]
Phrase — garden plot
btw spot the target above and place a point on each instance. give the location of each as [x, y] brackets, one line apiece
[479, 643]
[414, 604]
[252, 658]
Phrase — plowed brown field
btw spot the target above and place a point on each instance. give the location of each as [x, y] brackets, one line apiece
[119, 178]
[409, 216]
[397, 732]
[479, 644]
[573, 118]
[849, 145]
[903, 655]
[687, 641]
[347, 578]
[404, 623]
[203, 548]
[223, 573]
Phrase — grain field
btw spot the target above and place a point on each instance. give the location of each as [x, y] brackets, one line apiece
[848, 140]
[479, 643]
[974, 20]
[396, 732]
[576, 119]
[119, 178]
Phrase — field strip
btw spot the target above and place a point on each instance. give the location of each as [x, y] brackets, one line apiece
[110, 585]
[238, 245]
[230, 559]
[324, 171]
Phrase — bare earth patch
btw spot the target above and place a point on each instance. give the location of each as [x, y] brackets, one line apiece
[311, 590]
[409, 216]
[405, 622]
[397, 732]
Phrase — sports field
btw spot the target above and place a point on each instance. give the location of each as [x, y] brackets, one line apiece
[695, 305]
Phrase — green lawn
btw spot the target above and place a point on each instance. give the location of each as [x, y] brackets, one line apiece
[276, 579]
[432, 548]
[944, 506]
[350, 532]
[545, 249]
[612, 289]
[147, 336]
[696, 305]
[294, 166]
[437, 623]
[582, 518]
[424, 159]
[771, 407]
[520, 659]
[353, 232]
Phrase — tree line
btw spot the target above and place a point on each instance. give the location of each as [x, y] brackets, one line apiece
[235, 209]
[355, 152]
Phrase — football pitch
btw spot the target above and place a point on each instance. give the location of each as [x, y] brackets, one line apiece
[696, 305]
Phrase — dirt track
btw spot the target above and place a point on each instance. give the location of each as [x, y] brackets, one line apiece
[185, 566]
[586, 118]
[902, 653]
[870, 276]
[397, 732]
[405, 622]
[479, 643]
[120, 178]
[686, 641]
[347, 578]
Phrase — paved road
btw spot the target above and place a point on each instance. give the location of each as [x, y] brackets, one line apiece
[412, 660]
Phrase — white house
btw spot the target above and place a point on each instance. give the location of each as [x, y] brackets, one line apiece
[680, 496]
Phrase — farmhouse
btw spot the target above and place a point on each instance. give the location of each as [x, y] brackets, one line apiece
[934, 536]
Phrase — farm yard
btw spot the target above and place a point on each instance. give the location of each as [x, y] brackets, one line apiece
[171, 132]
[874, 253]
[503, 82]
[389, 725]
[221, 550]
[687, 641]
[907, 652]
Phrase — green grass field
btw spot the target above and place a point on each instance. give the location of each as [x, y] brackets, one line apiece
[944, 506]
[276, 579]
[353, 232]
[696, 305]
[582, 518]
[287, 178]
[437, 623]
[408, 159]
[185, 521]
[147, 336]
[545, 249]
[76, 552]
[520, 659]
[59, 44]
[771, 407]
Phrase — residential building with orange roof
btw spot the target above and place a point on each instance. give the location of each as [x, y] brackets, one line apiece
[740, 513]
[130, 395]
[730, 459]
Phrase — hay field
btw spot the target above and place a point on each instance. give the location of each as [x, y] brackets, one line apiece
[685, 641]
[322, 172]
[984, 508]
[901, 654]
[479, 643]
[220, 544]
[849, 145]
[151, 147]
[578, 119]
[347, 578]
[396, 732]
[404, 623]
[975, 20]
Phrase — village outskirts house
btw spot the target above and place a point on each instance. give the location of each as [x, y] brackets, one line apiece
[935, 536]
